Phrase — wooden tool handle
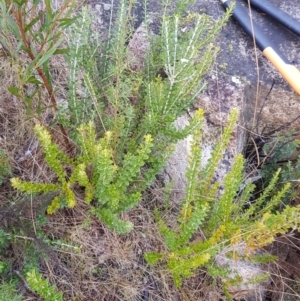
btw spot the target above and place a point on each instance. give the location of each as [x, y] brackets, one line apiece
[289, 72]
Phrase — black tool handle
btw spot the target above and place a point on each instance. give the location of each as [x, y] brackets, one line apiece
[240, 14]
[277, 14]
[289, 72]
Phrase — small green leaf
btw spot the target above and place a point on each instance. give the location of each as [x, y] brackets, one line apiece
[49, 9]
[33, 80]
[3, 8]
[20, 3]
[39, 36]
[4, 44]
[47, 73]
[49, 53]
[26, 49]
[52, 37]
[39, 108]
[62, 51]
[14, 27]
[66, 22]
[29, 70]
[34, 21]
[28, 101]
[153, 257]
[24, 1]
[15, 91]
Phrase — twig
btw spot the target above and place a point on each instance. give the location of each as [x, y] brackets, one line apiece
[256, 150]
[283, 126]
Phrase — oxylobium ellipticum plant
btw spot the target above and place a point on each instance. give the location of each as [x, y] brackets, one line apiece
[42, 287]
[115, 189]
[224, 218]
[125, 143]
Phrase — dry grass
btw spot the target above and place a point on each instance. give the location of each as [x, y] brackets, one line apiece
[285, 272]
[97, 264]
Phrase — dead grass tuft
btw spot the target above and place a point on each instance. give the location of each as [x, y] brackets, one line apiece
[285, 272]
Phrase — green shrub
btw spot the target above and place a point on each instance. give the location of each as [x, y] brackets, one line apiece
[42, 287]
[131, 142]
[223, 217]
[5, 168]
[8, 292]
[109, 185]
[277, 151]
[31, 37]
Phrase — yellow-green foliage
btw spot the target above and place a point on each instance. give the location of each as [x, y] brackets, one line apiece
[222, 217]
[55, 159]
[42, 287]
[111, 186]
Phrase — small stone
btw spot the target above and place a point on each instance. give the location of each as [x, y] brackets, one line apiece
[106, 6]
[235, 80]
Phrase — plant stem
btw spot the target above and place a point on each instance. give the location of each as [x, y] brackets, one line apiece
[27, 43]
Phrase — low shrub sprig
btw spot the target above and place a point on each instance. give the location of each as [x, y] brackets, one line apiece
[224, 219]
